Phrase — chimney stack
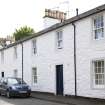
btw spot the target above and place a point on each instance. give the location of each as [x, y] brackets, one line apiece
[55, 14]
[52, 17]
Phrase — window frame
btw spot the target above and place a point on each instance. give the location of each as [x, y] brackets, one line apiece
[15, 52]
[2, 57]
[95, 28]
[59, 39]
[97, 86]
[34, 77]
[34, 46]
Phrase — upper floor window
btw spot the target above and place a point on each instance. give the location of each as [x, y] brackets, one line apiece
[98, 73]
[59, 39]
[2, 56]
[34, 50]
[98, 27]
[15, 52]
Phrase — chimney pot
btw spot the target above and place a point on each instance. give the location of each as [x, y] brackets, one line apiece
[77, 11]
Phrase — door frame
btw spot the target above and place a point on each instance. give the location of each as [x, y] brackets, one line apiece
[56, 78]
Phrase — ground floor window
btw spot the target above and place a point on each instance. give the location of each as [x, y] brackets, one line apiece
[98, 73]
[34, 75]
[15, 73]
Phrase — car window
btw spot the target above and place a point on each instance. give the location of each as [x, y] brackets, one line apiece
[20, 81]
[12, 81]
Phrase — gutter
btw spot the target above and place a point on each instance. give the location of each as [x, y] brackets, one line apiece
[75, 69]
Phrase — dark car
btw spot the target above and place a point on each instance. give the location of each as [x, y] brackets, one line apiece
[14, 87]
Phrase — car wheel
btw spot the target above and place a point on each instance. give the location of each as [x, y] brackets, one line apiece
[8, 94]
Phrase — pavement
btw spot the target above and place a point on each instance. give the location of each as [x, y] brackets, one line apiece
[69, 100]
[25, 101]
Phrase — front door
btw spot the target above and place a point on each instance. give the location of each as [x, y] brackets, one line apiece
[59, 79]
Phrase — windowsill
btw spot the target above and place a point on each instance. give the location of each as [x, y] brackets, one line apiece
[100, 39]
[98, 87]
[34, 54]
[59, 48]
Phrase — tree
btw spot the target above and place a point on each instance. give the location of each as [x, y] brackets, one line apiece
[23, 32]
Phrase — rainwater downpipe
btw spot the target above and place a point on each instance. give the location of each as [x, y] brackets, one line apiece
[75, 69]
[22, 61]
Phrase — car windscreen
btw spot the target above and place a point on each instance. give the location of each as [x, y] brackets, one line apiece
[13, 81]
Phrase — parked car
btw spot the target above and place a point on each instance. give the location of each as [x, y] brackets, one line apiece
[11, 86]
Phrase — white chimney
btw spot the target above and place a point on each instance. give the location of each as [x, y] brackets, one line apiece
[52, 17]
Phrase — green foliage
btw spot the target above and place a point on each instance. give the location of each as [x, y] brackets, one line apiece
[23, 32]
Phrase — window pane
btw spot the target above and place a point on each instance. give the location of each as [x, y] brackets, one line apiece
[99, 70]
[96, 82]
[99, 64]
[102, 70]
[96, 76]
[99, 33]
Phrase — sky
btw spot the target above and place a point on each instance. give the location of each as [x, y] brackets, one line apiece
[18, 13]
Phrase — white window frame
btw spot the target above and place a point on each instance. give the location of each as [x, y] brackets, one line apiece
[98, 86]
[2, 56]
[98, 28]
[15, 52]
[59, 39]
[34, 76]
[34, 47]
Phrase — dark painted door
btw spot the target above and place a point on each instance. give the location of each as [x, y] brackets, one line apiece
[59, 79]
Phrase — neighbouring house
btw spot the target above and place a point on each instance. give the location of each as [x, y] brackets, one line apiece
[6, 41]
[66, 58]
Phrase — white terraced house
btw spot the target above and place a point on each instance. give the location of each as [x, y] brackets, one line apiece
[66, 58]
